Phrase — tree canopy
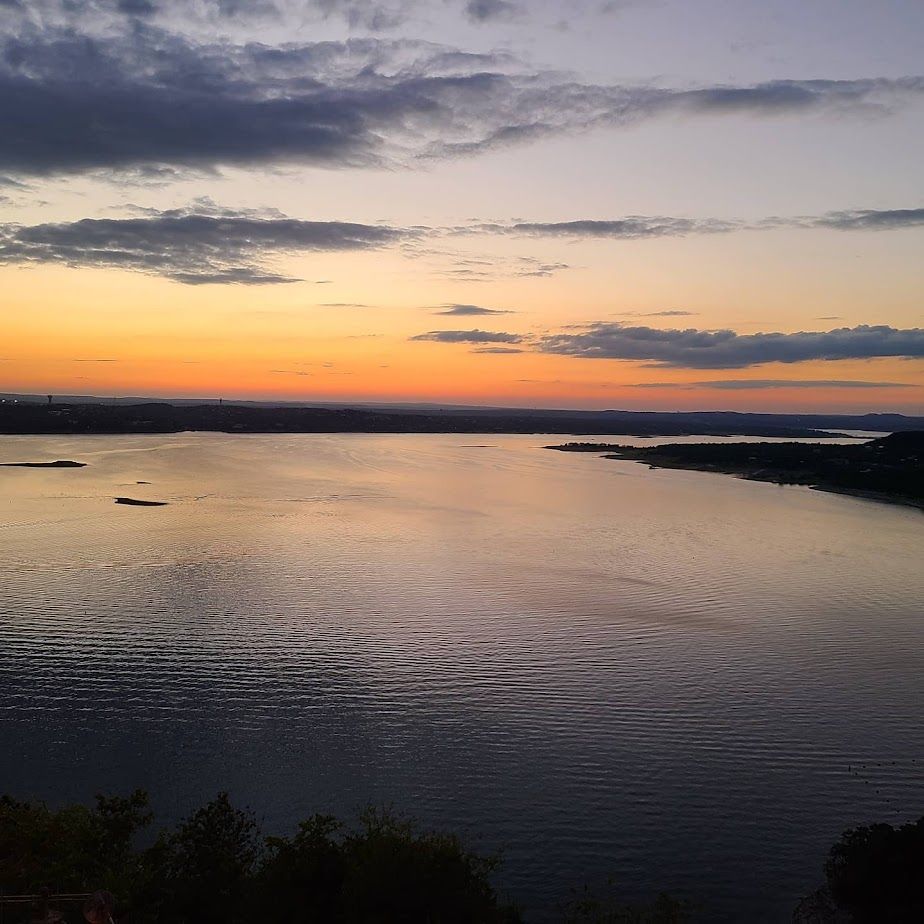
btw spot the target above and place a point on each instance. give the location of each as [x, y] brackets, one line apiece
[217, 866]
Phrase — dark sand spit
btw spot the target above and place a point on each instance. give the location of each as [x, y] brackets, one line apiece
[61, 463]
[134, 502]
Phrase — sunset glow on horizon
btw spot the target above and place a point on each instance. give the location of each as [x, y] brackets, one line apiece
[491, 208]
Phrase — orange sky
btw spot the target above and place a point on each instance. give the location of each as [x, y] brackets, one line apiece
[83, 318]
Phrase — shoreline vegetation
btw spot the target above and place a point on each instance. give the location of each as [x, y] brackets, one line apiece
[25, 417]
[889, 469]
[73, 863]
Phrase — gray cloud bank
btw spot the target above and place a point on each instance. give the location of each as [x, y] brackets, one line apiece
[205, 243]
[759, 384]
[630, 228]
[188, 247]
[144, 97]
[639, 227]
[371, 15]
[726, 349]
[869, 220]
[487, 10]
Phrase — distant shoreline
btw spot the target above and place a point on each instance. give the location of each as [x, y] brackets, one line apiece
[28, 418]
[888, 470]
[870, 495]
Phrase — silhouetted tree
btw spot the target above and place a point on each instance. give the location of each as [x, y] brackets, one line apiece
[588, 907]
[876, 873]
[73, 849]
[203, 870]
[216, 867]
[396, 874]
[303, 875]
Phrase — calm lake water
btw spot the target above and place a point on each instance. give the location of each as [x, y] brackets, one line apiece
[685, 681]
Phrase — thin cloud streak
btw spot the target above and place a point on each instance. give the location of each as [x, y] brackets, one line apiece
[640, 227]
[630, 228]
[468, 336]
[205, 243]
[469, 310]
[672, 313]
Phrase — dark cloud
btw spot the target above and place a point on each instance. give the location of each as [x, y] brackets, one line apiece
[630, 228]
[144, 97]
[497, 350]
[726, 349]
[8, 183]
[192, 247]
[457, 309]
[373, 15]
[469, 336]
[152, 99]
[637, 227]
[748, 384]
[870, 220]
[137, 7]
[486, 10]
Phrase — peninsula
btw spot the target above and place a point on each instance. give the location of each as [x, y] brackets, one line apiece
[887, 469]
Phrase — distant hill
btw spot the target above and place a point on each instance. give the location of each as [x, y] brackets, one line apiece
[164, 417]
[27, 417]
[664, 423]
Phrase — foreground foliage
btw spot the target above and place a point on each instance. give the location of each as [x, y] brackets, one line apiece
[216, 866]
[874, 874]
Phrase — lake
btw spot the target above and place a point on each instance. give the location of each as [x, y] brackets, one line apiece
[685, 681]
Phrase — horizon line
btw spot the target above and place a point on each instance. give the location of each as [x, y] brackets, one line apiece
[41, 397]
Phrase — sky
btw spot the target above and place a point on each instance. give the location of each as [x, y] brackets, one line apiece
[646, 204]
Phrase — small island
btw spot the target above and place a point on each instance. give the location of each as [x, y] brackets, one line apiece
[60, 463]
[888, 469]
[134, 502]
